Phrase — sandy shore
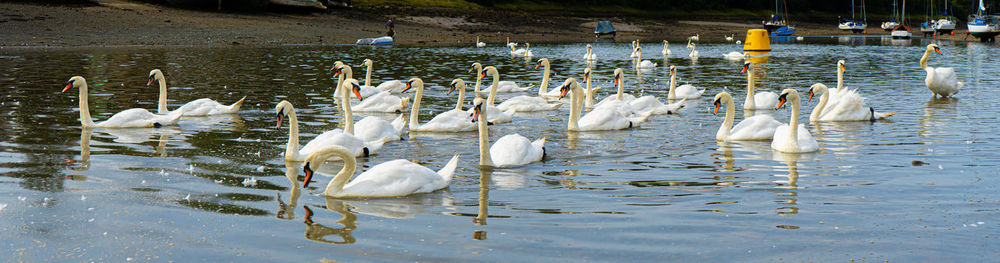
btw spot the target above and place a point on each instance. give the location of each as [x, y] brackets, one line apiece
[127, 23]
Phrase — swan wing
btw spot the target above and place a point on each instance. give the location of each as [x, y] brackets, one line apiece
[392, 86]
[689, 91]
[514, 150]
[765, 100]
[603, 119]
[367, 91]
[334, 137]
[450, 121]
[806, 142]
[380, 102]
[757, 127]
[849, 106]
[645, 103]
[140, 118]
[372, 129]
[394, 178]
[945, 81]
[527, 103]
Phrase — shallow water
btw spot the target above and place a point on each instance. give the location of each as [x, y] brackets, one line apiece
[920, 186]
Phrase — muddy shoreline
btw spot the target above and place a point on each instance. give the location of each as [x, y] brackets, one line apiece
[122, 23]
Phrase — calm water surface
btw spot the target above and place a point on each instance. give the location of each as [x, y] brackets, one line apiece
[919, 187]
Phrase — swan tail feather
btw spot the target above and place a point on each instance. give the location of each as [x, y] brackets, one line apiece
[236, 106]
[448, 171]
[556, 105]
[399, 123]
[883, 115]
[540, 143]
[173, 117]
[374, 146]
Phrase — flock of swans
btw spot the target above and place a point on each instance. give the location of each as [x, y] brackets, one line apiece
[618, 111]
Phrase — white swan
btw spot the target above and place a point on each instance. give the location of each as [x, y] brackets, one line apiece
[392, 86]
[543, 89]
[455, 120]
[495, 114]
[509, 151]
[730, 38]
[516, 52]
[651, 103]
[199, 107]
[345, 71]
[502, 86]
[666, 48]
[527, 50]
[599, 119]
[621, 98]
[643, 64]
[480, 44]
[511, 44]
[849, 107]
[373, 130]
[734, 55]
[590, 53]
[130, 118]
[389, 179]
[524, 103]
[695, 37]
[332, 137]
[757, 127]
[380, 101]
[686, 91]
[764, 100]
[635, 49]
[792, 137]
[694, 53]
[941, 81]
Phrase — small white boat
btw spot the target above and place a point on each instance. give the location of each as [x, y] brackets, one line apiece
[377, 41]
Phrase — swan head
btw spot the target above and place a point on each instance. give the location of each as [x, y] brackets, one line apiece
[490, 69]
[673, 70]
[542, 62]
[475, 66]
[566, 87]
[337, 70]
[282, 109]
[355, 88]
[74, 82]
[816, 88]
[411, 83]
[336, 64]
[367, 63]
[786, 95]
[746, 66]
[589, 47]
[456, 84]
[935, 48]
[586, 74]
[618, 76]
[154, 74]
[318, 157]
[477, 109]
[840, 66]
[718, 101]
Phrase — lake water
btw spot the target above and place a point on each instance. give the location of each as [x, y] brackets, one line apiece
[921, 186]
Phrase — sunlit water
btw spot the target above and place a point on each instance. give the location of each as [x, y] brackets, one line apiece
[921, 186]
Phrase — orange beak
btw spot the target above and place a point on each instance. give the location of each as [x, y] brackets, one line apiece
[336, 73]
[780, 103]
[538, 65]
[150, 81]
[810, 95]
[475, 113]
[357, 93]
[481, 75]
[563, 93]
[407, 88]
[843, 68]
[938, 50]
[617, 81]
[68, 86]
[741, 71]
[717, 105]
[452, 89]
[309, 175]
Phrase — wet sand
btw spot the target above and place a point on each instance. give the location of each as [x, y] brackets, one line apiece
[127, 23]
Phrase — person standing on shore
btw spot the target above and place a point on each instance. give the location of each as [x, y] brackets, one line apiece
[390, 28]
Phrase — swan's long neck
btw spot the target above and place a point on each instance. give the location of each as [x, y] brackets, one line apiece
[348, 115]
[621, 88]
[544, 88]
[576, 101]
[590, 95]
[673, 83]
[162, 102]
[749, 103]
[727, 124]
[840, 78]
[337, 184]
[493, 88]
[85, 119]
[479, 81]
[415, 109]
[794, 122]
[368, 75]
[814, 116]
[292, 148]
[923, 60]
[484, 139]
[461, 97]
[336, 90]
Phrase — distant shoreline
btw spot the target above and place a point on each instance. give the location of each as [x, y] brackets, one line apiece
[121, 23]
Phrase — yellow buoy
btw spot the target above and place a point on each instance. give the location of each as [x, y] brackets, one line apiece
[757, 40]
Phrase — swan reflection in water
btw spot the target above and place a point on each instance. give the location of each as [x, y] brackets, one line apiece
[790, 198]
[122, 136]
[139, 135]
[484, 203]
